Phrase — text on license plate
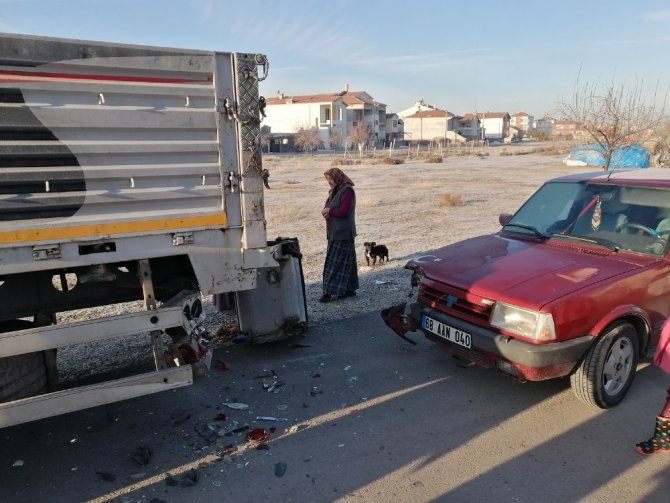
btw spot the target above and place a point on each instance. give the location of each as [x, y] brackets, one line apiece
[446, 332]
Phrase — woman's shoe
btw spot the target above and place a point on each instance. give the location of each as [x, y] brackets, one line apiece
[326, 298]
[660, 442]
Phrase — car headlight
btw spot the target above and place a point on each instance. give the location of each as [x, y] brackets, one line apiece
[524, 322]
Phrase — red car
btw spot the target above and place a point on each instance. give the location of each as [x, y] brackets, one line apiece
[577, 282]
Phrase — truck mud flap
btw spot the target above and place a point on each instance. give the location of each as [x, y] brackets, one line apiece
[277, 308]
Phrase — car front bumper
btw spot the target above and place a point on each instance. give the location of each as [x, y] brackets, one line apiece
[523, 360]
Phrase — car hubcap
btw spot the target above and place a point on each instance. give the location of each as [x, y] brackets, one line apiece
[618, 366]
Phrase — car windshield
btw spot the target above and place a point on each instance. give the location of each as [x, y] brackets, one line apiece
[617, 217]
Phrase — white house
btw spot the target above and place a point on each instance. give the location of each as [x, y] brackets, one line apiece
[395, 127]
[329, 113]
[522, 121]
[419, 106]
[428, 125]
[495, 125]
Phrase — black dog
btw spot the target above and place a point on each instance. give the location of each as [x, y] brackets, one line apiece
[374, 251]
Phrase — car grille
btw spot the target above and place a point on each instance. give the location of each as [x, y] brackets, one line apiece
[454, 302]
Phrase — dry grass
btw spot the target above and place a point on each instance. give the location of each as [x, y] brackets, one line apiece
[389, 161]
[340, 162]
[449, 200]
[433, 159]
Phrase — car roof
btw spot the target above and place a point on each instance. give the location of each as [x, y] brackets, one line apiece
[655, 177]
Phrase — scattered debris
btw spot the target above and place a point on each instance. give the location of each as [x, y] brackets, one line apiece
[137, 476]
[241, 339]
[237, 405]
[18, 463]
[270, 418]
[229, 449]
[221, 365]
[316, 374]
[171, 481]
[280, 469]
[282, 407]
[220, 417]
[258, 435]
[380, 282]
[108, 476]
[190, 478]
[347, 368]
[181, 418]
[216, 483]
[141, 456]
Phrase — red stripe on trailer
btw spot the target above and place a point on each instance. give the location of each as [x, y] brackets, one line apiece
[7, 76]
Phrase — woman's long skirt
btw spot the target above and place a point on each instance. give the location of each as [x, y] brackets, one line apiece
[340, 272]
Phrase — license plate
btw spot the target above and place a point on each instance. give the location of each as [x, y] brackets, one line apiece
[446, 332]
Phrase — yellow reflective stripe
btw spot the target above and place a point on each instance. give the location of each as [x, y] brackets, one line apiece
[106, 230]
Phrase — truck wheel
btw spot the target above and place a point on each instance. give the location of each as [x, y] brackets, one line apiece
[604, 375]
[22, 376]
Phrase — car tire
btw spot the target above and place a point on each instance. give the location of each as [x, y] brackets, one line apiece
[606, 372]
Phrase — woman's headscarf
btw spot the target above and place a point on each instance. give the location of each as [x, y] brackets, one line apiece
[340, 180]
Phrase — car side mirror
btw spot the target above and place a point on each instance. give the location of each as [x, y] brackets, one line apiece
[504, 218]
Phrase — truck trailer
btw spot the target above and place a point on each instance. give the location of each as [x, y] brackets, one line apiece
[127, 174]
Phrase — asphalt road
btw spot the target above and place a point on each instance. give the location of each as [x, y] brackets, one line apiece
[369, 418]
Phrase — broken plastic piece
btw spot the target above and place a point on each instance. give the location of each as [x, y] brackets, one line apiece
[270, 418]
[258, 435]
[141, 456]
[108, 476]
[237, 405]
[18, 462]
[280, 469]
[190, 478]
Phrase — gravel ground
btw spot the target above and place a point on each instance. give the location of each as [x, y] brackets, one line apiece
[411, 208]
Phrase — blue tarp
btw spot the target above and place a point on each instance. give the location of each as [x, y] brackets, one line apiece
[635, 156]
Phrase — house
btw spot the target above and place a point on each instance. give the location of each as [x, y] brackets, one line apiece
[545, 125]
[495, 125]
[522, 121]
[419, 106]
[331, 114]
[395, 127]
[468, 126]
[564, 128]
[428, 125]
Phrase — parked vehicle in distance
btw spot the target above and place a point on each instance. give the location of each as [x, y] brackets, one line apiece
[576, 283]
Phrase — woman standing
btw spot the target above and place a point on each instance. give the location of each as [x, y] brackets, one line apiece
[660, 442]
[340, 271]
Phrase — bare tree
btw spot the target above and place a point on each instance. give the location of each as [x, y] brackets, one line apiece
[307, 139]
[335, 138]
[360, 134]
[662, 147]
[615, 116]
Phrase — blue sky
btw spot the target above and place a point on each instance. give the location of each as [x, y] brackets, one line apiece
[460, 56]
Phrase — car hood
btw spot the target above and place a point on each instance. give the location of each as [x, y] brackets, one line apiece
[531, 273]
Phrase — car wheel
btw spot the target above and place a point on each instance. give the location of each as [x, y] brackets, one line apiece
[604, 375]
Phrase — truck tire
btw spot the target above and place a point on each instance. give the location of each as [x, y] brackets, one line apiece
[605, 374]
[22, 376]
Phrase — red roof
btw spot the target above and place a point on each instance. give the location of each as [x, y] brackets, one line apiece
[430, 113]
[350, 98]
